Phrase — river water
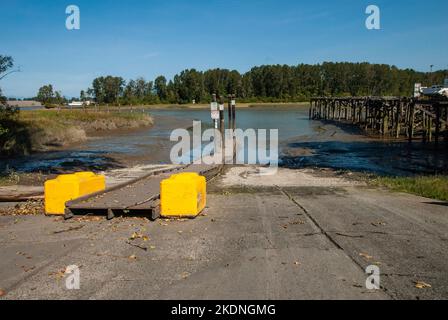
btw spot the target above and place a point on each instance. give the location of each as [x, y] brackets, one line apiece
[302, 143]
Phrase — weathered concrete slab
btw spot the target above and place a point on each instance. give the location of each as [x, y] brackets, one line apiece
[296, 241]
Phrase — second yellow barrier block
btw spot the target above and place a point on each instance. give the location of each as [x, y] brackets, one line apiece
[68, 187]
[182, 195]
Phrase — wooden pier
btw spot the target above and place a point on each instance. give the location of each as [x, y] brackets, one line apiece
[394, 117]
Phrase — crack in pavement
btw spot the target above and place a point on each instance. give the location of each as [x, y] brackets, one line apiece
[328, 236]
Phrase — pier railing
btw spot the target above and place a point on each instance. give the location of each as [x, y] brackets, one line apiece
[387, 116]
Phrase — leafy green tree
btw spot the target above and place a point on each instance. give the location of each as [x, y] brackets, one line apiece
[7, 113]
[58, 98]
[274, 83]
[46, 95]
[6, 63]
[2, 98]
[160, 87]
[108, 89]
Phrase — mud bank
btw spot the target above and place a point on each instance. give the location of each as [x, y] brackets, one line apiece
[45, 130]
[345, 147]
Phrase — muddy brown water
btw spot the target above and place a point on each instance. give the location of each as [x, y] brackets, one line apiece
[302, 143]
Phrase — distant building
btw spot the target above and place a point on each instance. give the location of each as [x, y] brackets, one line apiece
[78, 104]
[75, 104]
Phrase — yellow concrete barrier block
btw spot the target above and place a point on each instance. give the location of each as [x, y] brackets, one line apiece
[182, 195]
[67, 187]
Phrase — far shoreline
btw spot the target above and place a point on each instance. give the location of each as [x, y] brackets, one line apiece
[206, 106]
[161, 106]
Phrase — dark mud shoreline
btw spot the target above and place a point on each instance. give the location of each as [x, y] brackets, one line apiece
[344, 147]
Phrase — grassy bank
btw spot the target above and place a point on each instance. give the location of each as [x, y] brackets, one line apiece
[42, 130]
[12, 178]
[434, 187]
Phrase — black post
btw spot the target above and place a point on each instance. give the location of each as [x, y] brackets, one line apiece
[221, 115]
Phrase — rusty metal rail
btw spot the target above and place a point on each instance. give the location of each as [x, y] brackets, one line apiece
[140, 196]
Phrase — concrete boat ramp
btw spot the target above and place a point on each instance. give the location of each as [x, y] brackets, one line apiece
[299, 234]
[138, 196]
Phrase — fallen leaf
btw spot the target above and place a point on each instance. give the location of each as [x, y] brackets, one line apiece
[2, 293]
[58, 274]
[297, 263]
[365, 256]
[25, 269]
[422, 285]
[137, 235]
[133, 257]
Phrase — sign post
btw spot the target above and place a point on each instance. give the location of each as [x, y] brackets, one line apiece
[417, 90]
[214, 112]
[221, 114]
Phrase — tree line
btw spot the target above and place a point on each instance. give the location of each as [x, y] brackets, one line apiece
[267, 83]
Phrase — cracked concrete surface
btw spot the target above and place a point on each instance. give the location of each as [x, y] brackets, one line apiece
[297, 235]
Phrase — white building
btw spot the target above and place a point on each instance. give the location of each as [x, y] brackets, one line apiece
[79, 104]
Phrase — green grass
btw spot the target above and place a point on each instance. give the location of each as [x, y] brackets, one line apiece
[9, 179]
[434, 187]
[78, 116]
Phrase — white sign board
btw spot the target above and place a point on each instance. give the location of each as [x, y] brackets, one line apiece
[214, 106]
[215, 114]
[221, 107]
[233, 102]
[417, 90]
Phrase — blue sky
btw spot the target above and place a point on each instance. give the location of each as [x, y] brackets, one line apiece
[150, 37]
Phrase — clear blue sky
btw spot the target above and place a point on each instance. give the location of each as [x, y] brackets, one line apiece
[147, 37]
